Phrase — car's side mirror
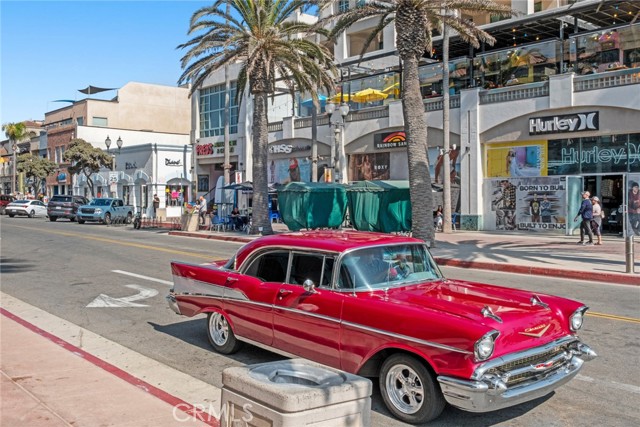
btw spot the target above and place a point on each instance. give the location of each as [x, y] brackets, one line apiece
[309, 286]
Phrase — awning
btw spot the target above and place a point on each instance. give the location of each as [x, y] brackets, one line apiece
[94, 89]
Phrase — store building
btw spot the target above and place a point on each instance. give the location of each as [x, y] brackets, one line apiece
[548, 111]
[148, 129]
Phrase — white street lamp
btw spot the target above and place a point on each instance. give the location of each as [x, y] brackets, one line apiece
[338, 156]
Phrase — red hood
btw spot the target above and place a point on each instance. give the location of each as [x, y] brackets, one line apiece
[523, 323]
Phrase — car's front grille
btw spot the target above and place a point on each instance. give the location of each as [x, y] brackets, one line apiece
[87, 210]
[532, 366]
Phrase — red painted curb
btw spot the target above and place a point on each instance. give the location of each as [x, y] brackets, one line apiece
[614, 278]
[142, 385]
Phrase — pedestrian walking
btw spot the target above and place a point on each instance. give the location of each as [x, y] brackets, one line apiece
[598, 214]
[202, 210]
[586, 213]
[156, 205]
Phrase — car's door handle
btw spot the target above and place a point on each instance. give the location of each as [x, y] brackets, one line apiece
[232, 279]
[283, 293]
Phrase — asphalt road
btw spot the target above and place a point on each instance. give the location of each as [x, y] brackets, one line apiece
[81, 273]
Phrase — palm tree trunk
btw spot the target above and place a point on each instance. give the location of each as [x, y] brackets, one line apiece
[260, 206]
[418, 159]
[446, 181]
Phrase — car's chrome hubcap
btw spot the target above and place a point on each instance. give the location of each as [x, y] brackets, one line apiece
[219, 329]
[405, 389]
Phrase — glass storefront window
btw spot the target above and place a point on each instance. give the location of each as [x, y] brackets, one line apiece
[563, 157]
[594, 155]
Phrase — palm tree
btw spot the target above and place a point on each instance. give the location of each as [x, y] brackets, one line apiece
[268, 41]
[16, 133]
[414, 22]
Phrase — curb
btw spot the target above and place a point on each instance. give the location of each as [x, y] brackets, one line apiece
[612, 278]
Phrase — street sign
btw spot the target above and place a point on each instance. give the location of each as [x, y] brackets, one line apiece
[113, 177]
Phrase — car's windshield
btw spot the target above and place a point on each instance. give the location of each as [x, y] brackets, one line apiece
[386, 266]
[100, 202]
[20, 202]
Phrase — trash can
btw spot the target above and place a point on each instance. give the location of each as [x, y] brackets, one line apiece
[294, 393]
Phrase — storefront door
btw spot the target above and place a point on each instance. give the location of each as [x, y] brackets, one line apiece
[609, 188]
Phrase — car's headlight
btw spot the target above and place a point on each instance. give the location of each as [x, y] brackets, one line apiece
[575, 321]
[98, 211]
[483, 348]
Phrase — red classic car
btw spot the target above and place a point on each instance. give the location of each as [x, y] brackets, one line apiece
[378, 306]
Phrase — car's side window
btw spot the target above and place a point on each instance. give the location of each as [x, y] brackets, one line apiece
[307, 266]
[270, 267]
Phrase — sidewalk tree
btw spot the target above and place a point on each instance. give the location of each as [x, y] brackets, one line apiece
[16, 133]
[415, 21]
[35, 168]
[86, 159]
[271, 45]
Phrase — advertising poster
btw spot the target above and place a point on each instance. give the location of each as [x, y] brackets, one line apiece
[369, 166]
[633, 205]
[526, 204]
[293, 169]
[436, 162]
[517, 159]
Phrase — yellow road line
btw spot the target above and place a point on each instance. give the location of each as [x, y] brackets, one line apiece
[117, 242]
[613, 317]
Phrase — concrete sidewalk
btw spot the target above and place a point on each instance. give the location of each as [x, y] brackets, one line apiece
[47, 381]
[525, 253]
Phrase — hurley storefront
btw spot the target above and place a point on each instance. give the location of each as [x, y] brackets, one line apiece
[534, 183]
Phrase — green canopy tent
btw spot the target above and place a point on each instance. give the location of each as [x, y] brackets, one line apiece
[312, 205]
[382, 206]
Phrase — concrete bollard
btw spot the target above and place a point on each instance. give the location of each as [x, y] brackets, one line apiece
[294, 393]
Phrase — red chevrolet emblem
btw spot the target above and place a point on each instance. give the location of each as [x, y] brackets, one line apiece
[544, 365]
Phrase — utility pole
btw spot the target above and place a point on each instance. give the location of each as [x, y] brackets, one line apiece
[446, 180]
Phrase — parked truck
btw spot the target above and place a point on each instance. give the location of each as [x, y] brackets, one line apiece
[105, 211]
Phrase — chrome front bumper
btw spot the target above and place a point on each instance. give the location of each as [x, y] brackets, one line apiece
[173, 304]
[490, 393]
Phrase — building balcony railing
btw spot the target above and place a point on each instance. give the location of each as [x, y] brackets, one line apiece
[514, 93]
[623, 77]
[435, 104]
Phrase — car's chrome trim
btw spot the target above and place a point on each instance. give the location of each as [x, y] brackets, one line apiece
[207, 290]
[492, 392]
[408, 338]
[511, 357]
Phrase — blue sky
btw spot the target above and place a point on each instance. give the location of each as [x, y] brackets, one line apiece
[51, 49]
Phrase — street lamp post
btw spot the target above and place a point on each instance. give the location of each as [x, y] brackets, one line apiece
[14, 148]
[338, 156]
[119, 143]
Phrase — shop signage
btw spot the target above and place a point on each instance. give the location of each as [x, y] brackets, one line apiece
[287, 148]
[389, 140]
[62, 176]
[129, 165]
[214, 148]
[169, 162]
[565, 123]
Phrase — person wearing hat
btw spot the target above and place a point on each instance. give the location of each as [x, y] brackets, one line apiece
[634, 207]
[598, 214]
[586, 213]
